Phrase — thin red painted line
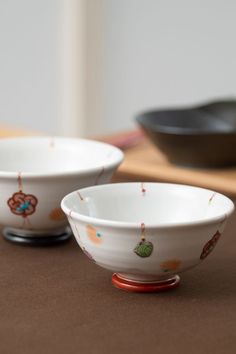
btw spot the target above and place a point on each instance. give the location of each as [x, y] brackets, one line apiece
[143, 190]
[19, 180]
[213, 195]
[81, 198]
[25, 222]
[29, 223]
[143, 231]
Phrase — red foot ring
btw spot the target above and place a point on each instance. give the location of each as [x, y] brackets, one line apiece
[137, 287]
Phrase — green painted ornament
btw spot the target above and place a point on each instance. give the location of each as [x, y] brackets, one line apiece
[144, 248]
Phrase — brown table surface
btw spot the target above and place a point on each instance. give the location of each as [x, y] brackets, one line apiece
[54, 300]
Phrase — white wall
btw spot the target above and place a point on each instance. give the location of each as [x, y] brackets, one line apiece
[162, 52]
[117, 56]
[41, 54]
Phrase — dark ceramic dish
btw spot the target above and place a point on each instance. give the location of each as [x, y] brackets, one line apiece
[203, 136]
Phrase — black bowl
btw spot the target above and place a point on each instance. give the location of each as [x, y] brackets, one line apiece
[203, 136]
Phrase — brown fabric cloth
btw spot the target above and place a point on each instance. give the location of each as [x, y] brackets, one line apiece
[55, 300]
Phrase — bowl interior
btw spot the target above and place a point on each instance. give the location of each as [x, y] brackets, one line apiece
[152, 203]
[43, 155]
[217, 117]
[225, 110]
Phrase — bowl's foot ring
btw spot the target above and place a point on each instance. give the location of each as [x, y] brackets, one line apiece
[41, 241]
[139, 287]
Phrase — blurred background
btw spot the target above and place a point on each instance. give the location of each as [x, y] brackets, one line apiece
[86, 67]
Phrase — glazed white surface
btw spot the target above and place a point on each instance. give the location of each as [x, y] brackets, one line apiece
[45, 155]
[179, 222]
[49, 169]
[160, 204]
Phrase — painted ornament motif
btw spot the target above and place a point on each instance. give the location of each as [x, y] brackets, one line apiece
[57, 215]
[93, 235]
[210, 245]
[144, 248]
[22, 204]
[170, 265]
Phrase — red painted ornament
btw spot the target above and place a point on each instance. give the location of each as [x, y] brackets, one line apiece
[22, 204]
[210, 245]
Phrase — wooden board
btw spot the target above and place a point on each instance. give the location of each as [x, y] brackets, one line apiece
[7, 131]
[145, 163]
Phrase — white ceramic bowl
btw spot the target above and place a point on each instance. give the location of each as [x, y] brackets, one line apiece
[147, 233]
[36, 172]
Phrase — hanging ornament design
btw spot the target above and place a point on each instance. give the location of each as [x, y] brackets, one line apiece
[170, 265]
[22, 204]
[93, 235]
[57, 215]
[210, 245]
[144, 248]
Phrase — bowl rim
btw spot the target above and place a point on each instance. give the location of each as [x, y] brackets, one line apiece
[114, 162]
[134, 225]
[178, 131]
